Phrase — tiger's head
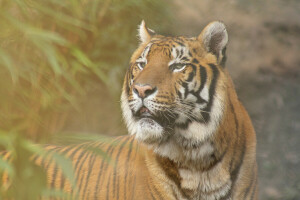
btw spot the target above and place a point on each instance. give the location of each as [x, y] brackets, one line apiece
[174, 87]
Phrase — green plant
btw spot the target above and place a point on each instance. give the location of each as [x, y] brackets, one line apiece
[18, 169]
[53, 51]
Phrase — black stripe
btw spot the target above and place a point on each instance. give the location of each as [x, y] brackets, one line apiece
[236, 133]
[212, 88]
[176, 39]
[184, 125]
[178, 93]
[185, 91]
[203, 78]
[50, 161]
[181, 44]
[195, 60]
[254, 175]
[88, 156]
[100, 173]
[107, 187]
[45, 157]
[127, 78]
[251, 182]
[169, 53]
[181, 53]
[215, 160]
[134, 178]
[84, 154]
[184, 59]
[177, 52]
[91, 165]
[236, 170]
[212, 91]
[150, 191]
[35, 157]
[223, 61]
[157, 192]
[173, 174]
[190, 77]
[102, 169]
[115, 169]
[62, 181]
[192, 73]
[55, 168]
[254, 188]
[126, 165]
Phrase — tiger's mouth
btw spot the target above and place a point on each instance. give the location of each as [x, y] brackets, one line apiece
[158, 117]
[144, 112]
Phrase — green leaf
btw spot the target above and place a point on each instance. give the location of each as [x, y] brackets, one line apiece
[7, 167]
[81, 57]
[50, 54]
[57, 194]
[6, 60]
[48, 36]
[65, 164]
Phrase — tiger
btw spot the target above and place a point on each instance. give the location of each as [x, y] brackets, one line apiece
[190, 138]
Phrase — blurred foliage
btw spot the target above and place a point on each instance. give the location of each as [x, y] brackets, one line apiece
[51, 53]
[17, 169]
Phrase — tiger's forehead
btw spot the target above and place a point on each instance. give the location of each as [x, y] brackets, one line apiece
[172, 41]
[173, 47]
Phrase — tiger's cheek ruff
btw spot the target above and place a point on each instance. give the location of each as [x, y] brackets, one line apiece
[200, 131]
[206, 110]
[127, 114]
[181, 147]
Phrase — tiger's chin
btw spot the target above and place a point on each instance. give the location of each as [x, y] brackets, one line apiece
[149, 131]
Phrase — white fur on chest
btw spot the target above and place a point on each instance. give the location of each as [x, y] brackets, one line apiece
[175, 152]
[208, 185]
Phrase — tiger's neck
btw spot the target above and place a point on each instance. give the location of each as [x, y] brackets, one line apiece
[188, 163]
[197, 145]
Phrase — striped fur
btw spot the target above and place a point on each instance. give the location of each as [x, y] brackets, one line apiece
[120, 174]
[195, 124]
[190, 137]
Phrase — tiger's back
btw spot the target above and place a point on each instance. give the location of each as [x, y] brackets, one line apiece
[119, 172]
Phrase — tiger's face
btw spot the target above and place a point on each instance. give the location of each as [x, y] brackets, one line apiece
[172, 88]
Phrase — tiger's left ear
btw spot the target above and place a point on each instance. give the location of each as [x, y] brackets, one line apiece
[214, 38]
[145, 34]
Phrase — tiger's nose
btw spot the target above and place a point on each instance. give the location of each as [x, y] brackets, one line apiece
[143, 90]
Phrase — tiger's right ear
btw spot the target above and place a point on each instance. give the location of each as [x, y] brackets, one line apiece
[145, 33]
[214, 38]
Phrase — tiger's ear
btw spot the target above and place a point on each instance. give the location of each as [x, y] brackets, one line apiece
[214, 38]
[145, 33]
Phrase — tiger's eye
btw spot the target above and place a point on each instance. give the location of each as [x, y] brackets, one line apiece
[141, 65]
[177, 66]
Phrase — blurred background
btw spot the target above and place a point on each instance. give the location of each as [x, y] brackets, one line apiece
[62, 64]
